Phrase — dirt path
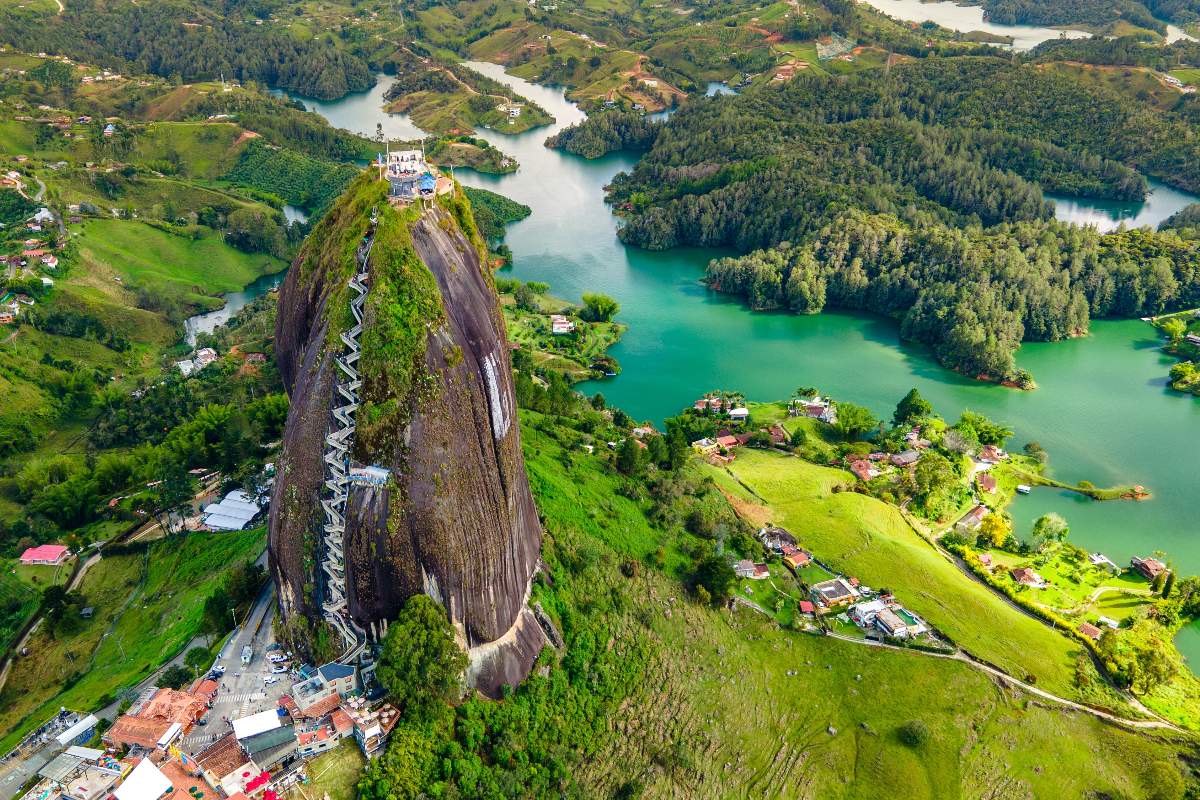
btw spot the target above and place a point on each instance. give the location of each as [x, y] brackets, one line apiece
[1006, 679]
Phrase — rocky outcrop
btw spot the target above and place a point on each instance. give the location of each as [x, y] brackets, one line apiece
[457, 520]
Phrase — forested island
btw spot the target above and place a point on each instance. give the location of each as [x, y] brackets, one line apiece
[918, 195]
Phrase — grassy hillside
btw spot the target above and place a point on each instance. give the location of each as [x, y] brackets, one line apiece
[147, 608]
[198, 270]
[687, 701]
[871, 540]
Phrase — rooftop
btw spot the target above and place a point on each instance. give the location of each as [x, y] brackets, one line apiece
[333, 671]
[146, 782]
[222, 756]
[256, 723]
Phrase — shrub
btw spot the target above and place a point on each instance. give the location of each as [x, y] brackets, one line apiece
[913, 733]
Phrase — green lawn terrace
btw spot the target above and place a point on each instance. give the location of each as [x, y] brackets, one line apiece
[1072, 583]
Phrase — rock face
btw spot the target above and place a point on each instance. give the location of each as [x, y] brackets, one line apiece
[456, 521]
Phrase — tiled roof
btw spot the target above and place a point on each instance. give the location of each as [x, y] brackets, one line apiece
[222, 756]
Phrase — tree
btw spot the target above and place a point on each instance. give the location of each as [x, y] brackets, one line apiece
[629, 457]
[251, 230]
[714, 574]
[175, 676]
[853, 420]
[658, 452]
[934, 479]
[677, 449]
[994, 531]
[1168, 584]
[1049, 528]
[1174, 328]
[421, 664]
[986, 431]
[911, 408]
[197, 659]
[598, 307]
[525, 298]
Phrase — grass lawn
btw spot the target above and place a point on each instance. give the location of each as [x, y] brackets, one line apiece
[196, 271]
[870, 540]
[39, 576]
[1072, 581]
[148, 606]
[333, 774]
[1188, 76]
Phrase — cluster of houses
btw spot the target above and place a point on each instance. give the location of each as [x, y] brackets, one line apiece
[199, 360]
[874, 612]
[145, 754]
[814, 407]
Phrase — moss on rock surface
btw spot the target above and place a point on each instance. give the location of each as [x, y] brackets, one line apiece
[456, 521]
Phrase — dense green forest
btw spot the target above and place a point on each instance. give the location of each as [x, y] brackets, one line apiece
[493, 211]
[1090, 12]
[606, 132]
[918, 194]
[1122, 50]
[971, 294]
[191, 43]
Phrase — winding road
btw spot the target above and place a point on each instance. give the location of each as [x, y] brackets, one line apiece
[1009, 680]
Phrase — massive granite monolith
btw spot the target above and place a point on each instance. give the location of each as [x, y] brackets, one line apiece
[456, 520]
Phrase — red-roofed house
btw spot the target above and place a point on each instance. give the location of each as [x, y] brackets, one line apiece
[206, 690]
[1027, 577]
[806, 607]
[1089, 630]
[986, 481]
[728, 442]
[863, 469]
[342, 724]
[991, 453]
[315, 741]
[52, 554]
[795, 558]
[1150, 568]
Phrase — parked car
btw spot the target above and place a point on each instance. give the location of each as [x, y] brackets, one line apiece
[275, 658]
[271, 680]
[279, 669]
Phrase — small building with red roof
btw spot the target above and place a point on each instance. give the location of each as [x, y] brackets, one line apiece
[49, 554]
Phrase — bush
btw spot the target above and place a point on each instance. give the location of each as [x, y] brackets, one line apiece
[913, 733]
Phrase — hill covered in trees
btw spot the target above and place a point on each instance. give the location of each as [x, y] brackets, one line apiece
[918, 194]
[189, 42]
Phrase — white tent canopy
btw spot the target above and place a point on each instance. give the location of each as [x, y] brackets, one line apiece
[146, 782]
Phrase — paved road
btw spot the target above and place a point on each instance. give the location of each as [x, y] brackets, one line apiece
[244, 690]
